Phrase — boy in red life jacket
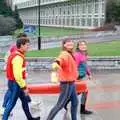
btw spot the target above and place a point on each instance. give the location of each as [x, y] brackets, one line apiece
[12, 49]
[15, 74]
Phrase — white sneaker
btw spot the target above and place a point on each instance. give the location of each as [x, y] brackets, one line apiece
[2, 111]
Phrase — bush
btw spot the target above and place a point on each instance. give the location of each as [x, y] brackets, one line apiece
[7, 25]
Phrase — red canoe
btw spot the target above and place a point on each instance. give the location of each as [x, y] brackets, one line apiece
[52, 88]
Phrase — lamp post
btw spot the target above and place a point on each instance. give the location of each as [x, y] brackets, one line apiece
[39, 37]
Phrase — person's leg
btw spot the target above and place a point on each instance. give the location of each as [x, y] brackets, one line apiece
[65, 107]
[83, 98]
[64, 96]
[83, 109]
[74, 103]
[28, 98]
[6, 98]
[24, 100]
[13, 87]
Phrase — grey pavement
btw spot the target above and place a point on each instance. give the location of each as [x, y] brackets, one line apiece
[103, 99]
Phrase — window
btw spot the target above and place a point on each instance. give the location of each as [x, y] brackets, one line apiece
[63, 20]
[77, 21]
[96, 7]
[68, 21]
[72, 21]
[83, 8]
[95, 22]
[89, 22]
[102, 20]
[60, 10]
[83, 21]
[56, 20]
[89, 7]
[103, 7]
[59, 21]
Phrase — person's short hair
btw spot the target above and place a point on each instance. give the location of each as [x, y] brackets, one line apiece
[22, 41]
[22, 35]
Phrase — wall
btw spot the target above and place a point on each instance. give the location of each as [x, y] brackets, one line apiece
[96, 63]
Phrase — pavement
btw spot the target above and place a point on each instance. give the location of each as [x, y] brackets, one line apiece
[103, 99]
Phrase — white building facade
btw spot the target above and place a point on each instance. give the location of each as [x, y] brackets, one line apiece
[9, 3]
[63, 13]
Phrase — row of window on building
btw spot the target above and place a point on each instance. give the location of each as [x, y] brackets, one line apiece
[67, 21]
[31, 3]
[66, 10]
[77, 9]
[86, 13]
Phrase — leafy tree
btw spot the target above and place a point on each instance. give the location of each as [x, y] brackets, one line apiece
[4, 9]
[7, 25]
[9, 20]
[17, 18]
[113, 11]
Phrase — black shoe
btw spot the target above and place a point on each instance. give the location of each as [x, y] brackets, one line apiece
[36, 118]
[87, 112]
[84, 111]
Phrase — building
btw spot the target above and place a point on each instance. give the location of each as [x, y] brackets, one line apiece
[63, 13]
[9, 3]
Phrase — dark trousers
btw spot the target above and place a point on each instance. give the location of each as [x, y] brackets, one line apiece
[16, 92]
[68, 91]
[8, 95]
[6, 98]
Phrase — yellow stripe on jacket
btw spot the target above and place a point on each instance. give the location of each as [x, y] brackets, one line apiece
[17, 71]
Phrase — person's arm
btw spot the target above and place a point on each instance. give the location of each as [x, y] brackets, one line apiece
[17, 71]
[62, 59]
[88, 72]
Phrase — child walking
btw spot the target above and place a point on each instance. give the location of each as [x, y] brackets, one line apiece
[67, 72]
[81, 57]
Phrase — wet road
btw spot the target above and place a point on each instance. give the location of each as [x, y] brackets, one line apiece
[104, 97]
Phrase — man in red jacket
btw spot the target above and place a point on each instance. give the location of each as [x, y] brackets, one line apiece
[15, 72]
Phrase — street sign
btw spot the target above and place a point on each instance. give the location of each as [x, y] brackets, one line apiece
[29, 29]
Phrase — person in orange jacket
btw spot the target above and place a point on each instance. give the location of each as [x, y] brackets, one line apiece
[15, 73]
[67, 73]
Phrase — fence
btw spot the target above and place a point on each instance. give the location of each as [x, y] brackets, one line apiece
[52, 42]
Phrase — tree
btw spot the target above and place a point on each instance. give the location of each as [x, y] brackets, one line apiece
[9, 20]
[7, 25]
[4, 9]
[17, 18]
[113, 11]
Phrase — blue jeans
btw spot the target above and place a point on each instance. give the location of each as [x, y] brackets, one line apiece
[68, 91]
[83, 97]
[16, 92]
[6, 98]
[8, 95]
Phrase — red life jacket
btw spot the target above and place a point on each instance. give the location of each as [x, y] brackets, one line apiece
[9, 68]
